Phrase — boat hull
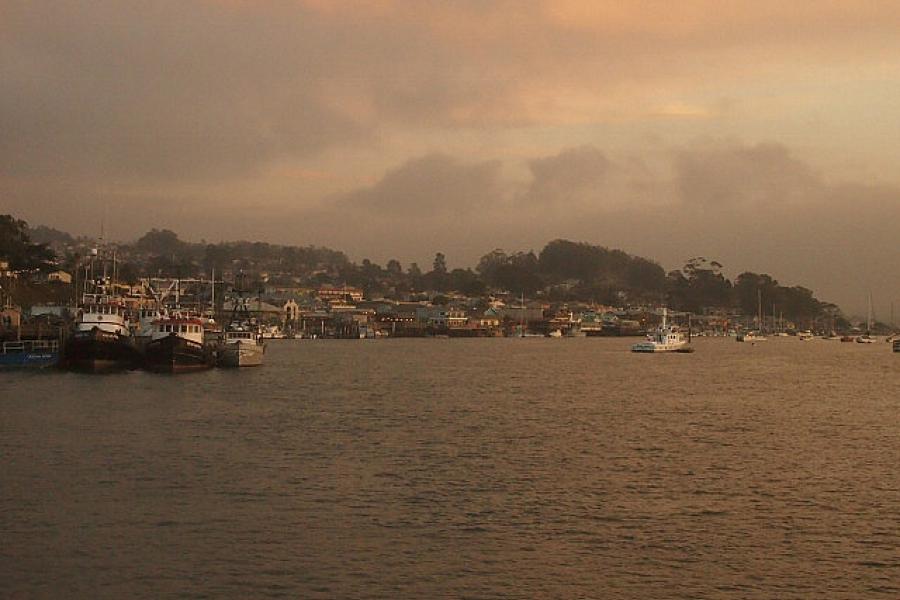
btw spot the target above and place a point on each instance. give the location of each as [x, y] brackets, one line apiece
[29, 355]
[240, 354]
[98, 351]
[654, 347]
[747, 338]
[174, 354]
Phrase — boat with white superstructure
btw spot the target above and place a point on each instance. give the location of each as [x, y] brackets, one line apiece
[242, 346]
[177, 345]
[101, 339]
[666, 338]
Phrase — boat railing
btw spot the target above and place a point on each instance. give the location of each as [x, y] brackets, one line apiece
[27, 346]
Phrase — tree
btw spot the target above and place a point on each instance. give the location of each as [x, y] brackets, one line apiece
[440, 264]
[159, 241]
[438, 279]
[393, 267]
[489, 263]
[16, 247]
[749, 288]
[706, 286]
[466, 282]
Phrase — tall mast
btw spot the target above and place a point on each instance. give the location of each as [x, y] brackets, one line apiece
[869, 316]
[759, 309]
[522, 324]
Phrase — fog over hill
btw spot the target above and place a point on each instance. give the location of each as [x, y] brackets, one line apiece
[762, 135]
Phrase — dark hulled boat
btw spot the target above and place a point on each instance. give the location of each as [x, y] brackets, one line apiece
[177, 346]
[97, 351]
[100, 340]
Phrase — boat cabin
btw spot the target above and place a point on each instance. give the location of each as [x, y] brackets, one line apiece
[191, 329]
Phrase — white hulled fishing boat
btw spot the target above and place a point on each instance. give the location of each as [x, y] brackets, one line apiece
[242, 343]
[242, 346]
[666, 338]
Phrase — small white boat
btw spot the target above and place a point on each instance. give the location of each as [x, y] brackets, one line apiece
[805, 336]
[556, 333]
[241, 347]
[867, 338]
[666, 338]
[751, 336]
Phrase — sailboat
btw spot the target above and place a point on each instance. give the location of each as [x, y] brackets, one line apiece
[754, 336]
[867, 338]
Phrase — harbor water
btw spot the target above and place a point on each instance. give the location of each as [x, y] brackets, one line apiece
[450, 468]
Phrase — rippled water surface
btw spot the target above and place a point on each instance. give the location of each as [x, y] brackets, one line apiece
[502, 468]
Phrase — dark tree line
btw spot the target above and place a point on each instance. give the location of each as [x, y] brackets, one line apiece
[18, 250]
[700, 284]
[562, 271]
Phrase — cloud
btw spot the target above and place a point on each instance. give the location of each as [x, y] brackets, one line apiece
[176, 91]
[567, 175]
[434, 186]
[236, 118]
[750, 206]
[733, 176]
[160, 92]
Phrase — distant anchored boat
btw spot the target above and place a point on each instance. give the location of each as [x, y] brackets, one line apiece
[666, 338]
[750, 336]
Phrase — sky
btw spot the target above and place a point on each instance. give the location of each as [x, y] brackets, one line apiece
[762, 134]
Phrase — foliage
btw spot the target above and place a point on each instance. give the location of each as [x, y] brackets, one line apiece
[18, 250]
[563, 271]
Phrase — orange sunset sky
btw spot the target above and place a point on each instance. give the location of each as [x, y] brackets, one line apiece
[763, 134]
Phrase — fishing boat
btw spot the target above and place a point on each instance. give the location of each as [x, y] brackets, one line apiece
[896, 344]
[666, 338]
[805, 336]
[177, 345]
[242, 342]
[242, 346]
[29, 354]
[101, 340]
[147, 317]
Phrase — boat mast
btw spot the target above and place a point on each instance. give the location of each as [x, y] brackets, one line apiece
[759, 309]
[869, 316]
[522, 323]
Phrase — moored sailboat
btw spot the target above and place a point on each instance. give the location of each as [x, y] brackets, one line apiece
[754, 336]
[867, 338]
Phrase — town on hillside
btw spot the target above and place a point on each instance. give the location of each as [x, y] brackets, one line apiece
[567, 289]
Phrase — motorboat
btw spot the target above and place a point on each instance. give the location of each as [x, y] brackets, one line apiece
[666, 338]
